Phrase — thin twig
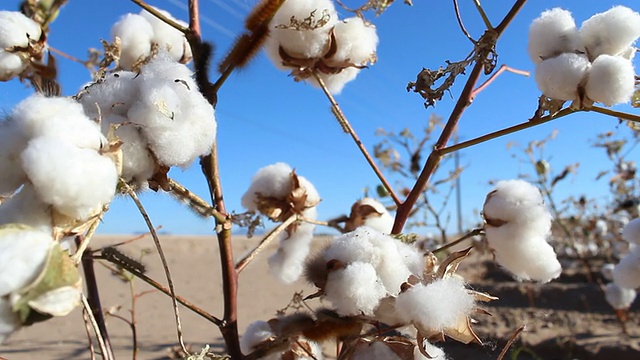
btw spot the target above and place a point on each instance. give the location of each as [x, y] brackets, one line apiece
[86, 240]
[240, 265]
[195, 201]
[510, 342]
[459, 18]
[128, 241]
[347, 126]
[107, 353]
[493, 76]
[472, 233]
[87, 327]
[132, 194]
[153, 11]
[483, 15]
[618, 114]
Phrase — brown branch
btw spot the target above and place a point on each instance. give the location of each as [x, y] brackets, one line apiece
[470, 234]
[510, 342]
[265, 241]
[463, 102]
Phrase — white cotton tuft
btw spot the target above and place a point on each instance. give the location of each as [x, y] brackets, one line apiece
[440, 305]
[11, 145]
[560, 76]
[601, 228]
[380, 220]
[256, 333]
[138, 164]
[356, 41]
[611, 80]
[611, 32]
[167, 37]
[336, 82]
[627, 272]
[11, 65]
[9, 320]
[57, 117]
[287, 264]
[136, 35]
[517, 201]
[355, 290]
[607, 271]
[113, 95]
[23, 252]
[16, 30]
[376, 350]
[552, 34]
[618, 297]
[26, 207]
[631, 232]
[435, 352]
[77, 182]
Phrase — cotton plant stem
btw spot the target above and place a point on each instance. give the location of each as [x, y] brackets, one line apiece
[342, 119]
[195, 201]
[460, 23]
[622, 115]
[132, 194]
[264, 243]
[483, 15]
[512, 338]
[86, 240]
[105, 348]
[404, 208]
[160, 16]
[470, 234]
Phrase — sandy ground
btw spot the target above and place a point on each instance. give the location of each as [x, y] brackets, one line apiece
[569, 319]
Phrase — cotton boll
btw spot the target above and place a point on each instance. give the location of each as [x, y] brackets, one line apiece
[271, 180]
[356, 41]
[11, 65]
[355, 290]
[618, 297]
[256, 333]
[166, 36]
[517, 201]
[287, 264]
[611, 32]
[631, 231]
[23, 252]
[11, 145]
[436, 306]
[627, 272]
[113, 95]
[137, 163]
[57, 117]
[560, 76]
[611, 80]
[303, 44]
[135, 34]
[354, 246]
[9, 321]
[552, 34]
[607, 271]
[16, 30]
[376, 350]
[336, 82]
[77, 182]
[26, 207]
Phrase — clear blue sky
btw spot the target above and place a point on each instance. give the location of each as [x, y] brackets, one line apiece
[264, 117]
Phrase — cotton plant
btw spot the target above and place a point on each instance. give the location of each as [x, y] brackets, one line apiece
[589, 64]
[277, 192]
[21, 41]
[143, 35]
[306, 36]
[517, 229]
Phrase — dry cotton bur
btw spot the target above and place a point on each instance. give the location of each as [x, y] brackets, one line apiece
[62, 160]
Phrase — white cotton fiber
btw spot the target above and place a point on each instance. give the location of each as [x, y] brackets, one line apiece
[57, 117]
[257, 332]
[354, 290]
[611, 80]
[552, 34]
[113, 95]
[75, 181]
[137, 163]
[11, 145]
[9, 321]
[167, 37]
[560, 76]
[26, 207]
[336, 82]
[176, 120]
[16, 30]
[287, 264]
[627, 272]
[11, 65]
[356, 41]
[375, 350]
[23, 252]
[354, 246]
[631, 232]
[519, 202]
[135, 34]
[611, 32]
[437, 306]
[618, 297]
[435, 352]
[379, 220]
[271, 180]
[607, 271]
[301, 44]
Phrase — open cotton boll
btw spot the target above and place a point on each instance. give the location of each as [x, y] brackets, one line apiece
[517, 201]
[135, 34]
[11, 65]
[300, 43]
[356, 41]
[552, 34]
[113, 95]
[26, 207]
[611, 32]
[57, 117]
[16, 30]
[355, 246]
[355, 290]
[287, 264]
[11, 145]
[526, 254]
[256, 333]
[618, 297]
[9, 320]
[626, 273]
[560, 76]
[271, 180]
[23, 252]
[168, 37]
[436, 306]
[611, 80]
[393, 267]
[631, 231]
[75, 181]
